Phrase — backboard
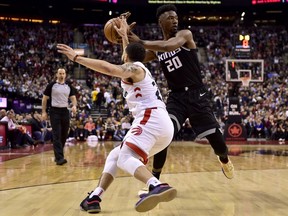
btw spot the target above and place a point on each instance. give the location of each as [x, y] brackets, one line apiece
[238, 70]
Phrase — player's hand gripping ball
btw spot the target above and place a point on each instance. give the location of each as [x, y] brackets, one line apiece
[110, 32]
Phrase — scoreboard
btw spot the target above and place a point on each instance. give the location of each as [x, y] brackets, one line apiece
[196, 2]
[242, 46]
[208, 2]
[255, 2]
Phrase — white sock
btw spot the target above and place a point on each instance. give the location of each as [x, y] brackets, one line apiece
[153, 181]
[98, 192]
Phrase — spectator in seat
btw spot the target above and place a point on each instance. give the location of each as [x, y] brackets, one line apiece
[37, 127]
[259, 129]
[109, 127]
[100, 128]
[90, 128]
[125, 125]
[80, 133]
[94, 97]
[2, 113]
[100, 99]
[17, 134]
[118, 134]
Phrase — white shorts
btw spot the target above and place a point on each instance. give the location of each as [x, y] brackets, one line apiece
[151, 131]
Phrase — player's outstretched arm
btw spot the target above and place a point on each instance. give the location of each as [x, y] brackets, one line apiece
[183, 37]
[104, 67]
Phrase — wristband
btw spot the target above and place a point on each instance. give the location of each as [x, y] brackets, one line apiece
[75, 57]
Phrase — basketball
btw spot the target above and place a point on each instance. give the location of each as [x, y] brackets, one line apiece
[110, 33]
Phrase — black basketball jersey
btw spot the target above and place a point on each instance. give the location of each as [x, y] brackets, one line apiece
[181, 68]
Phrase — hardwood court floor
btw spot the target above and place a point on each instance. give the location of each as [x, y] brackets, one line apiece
[32, 185]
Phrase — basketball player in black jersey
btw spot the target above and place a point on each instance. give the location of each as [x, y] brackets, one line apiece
[189, 98]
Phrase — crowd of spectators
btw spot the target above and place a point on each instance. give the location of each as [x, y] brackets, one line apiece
[29, 60]
[18, 135]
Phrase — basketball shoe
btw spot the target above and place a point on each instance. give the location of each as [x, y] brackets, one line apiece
[91, 205]
[160, 193]
[227, 168]
[144, 191]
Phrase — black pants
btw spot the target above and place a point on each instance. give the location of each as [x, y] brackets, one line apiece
[60, 123]
[196, 105]
[16, 137]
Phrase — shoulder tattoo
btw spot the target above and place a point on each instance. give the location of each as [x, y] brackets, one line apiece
[129, 67]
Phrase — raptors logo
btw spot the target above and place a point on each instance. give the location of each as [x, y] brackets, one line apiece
[136, 131]
[235, 130]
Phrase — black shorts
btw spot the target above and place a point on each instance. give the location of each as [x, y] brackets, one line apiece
[196, 105]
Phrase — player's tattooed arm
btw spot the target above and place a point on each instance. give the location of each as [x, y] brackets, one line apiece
[129, 68]
[131, 72]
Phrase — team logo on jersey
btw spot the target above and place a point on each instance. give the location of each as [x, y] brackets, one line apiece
[136, 130]
[167, 55]
[138, 94]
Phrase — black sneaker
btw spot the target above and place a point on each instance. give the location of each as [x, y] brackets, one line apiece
[91, 205]
[61, 161]
[157, 194]
[83, 204]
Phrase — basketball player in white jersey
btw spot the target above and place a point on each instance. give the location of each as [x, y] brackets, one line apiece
[151, 131]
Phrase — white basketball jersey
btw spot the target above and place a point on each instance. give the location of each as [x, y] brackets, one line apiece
[142, 95]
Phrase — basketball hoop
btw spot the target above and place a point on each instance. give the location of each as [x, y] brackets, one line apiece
[245, 81]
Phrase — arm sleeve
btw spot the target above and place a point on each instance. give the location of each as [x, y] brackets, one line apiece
[48, 89]
[73, 91]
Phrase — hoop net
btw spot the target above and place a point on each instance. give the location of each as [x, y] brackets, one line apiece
[245, 81]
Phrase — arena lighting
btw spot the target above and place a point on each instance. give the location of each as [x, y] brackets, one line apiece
[19, 19]
[54, 21]
[26, 20]
[199, 17]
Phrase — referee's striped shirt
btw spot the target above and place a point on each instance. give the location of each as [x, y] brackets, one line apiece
[59, 94]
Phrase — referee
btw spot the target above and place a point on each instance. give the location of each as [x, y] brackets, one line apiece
[59, 92]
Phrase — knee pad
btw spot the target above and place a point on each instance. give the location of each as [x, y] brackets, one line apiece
[128, 160]
[111, 162]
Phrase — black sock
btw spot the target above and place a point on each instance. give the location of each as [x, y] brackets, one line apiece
[156, 174]
[158, 162]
